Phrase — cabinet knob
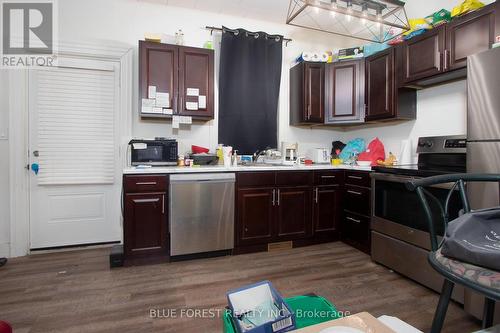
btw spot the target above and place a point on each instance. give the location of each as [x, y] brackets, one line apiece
[246, 229]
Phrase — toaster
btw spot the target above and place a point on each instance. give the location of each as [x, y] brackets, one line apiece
[320, 155]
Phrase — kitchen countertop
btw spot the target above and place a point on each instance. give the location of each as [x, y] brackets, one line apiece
[221, 168]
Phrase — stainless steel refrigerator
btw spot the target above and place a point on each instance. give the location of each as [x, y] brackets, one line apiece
[483, 124]
[483, 142]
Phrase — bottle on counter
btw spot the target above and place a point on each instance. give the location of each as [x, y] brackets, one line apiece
[234, 159]
[220, 154]
[180, 161]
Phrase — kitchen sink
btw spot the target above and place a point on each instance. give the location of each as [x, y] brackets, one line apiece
[264, 165]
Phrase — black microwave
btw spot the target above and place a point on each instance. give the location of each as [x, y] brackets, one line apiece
[154, 152]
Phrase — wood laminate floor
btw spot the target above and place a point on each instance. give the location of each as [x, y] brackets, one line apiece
[77, 292]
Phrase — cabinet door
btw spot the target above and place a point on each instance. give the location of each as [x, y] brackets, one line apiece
[255, 216]
[314, 92]
[380, 85]
[327, 209]
[344, 84]
[158, 67]
[423, 55]
[294, 218]
[196, 82]
[467, 35]
[145, 225]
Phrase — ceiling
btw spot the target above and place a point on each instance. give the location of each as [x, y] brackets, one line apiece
[267, 10]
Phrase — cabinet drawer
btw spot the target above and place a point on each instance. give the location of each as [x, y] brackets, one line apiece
[328, 177]
[357, 199]
[356, 228]
[256, 178]
[359, 178]
[145, 183]
[294, 178]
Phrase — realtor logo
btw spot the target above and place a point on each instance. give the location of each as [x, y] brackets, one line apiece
[28, 33]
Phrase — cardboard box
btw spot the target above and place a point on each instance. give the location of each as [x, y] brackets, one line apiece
[246, 305]
[362, 321]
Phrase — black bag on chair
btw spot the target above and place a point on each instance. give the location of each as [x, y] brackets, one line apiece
[475, 238]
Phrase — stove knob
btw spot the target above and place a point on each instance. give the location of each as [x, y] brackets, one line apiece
[425, 144]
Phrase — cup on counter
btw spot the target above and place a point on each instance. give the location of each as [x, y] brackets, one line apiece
[227, 152]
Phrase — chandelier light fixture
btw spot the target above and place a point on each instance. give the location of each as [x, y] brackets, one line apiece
[370, 20]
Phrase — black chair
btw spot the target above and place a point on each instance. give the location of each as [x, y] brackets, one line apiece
[479, 279]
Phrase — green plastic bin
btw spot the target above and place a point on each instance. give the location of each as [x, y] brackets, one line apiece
[309, 310]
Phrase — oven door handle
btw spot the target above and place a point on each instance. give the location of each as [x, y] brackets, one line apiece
[391, 177]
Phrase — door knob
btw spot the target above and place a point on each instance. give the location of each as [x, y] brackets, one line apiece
[35, 153]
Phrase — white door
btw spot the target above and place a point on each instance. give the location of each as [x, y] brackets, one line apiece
[73, 117]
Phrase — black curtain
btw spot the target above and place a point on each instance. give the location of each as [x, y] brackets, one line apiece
[249, 83]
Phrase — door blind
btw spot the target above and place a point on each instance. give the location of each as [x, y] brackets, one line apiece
[75, 126]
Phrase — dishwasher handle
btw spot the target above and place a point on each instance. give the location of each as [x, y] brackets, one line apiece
[203, 178]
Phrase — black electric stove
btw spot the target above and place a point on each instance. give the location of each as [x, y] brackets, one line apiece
[436, 156]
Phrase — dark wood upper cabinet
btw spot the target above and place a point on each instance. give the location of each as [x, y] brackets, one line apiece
[307, 90]
[173, 69]
[345, 92]
[380, 85]
[158, 66]
[294, 218]
[468, 35]
[423, 55]
[196, 71]
[440, 55]
[255, 216]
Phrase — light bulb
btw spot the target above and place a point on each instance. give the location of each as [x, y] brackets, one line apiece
[363, 21]
[348, 18]
[316, 10]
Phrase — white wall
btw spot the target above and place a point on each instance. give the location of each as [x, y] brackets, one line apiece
[4, 165]
[441, 110]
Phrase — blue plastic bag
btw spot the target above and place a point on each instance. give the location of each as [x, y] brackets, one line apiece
[353, 148]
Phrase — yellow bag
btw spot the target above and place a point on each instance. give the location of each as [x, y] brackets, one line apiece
[417, 24]
[465, 7]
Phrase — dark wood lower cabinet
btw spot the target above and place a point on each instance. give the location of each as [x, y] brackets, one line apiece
[356, 231]
[304, 207]
[355, 226]
[146, 236]
[294, 213]
[327, 211]
[255, 210]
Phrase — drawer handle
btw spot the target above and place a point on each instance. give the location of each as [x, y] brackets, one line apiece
[146, 183]
[146, 200]
[355, 177]
[327, 176]
[163, 204]
[352, 219]
[354, 192]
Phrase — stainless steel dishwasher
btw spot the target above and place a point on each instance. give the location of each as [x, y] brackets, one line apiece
[201, 212]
